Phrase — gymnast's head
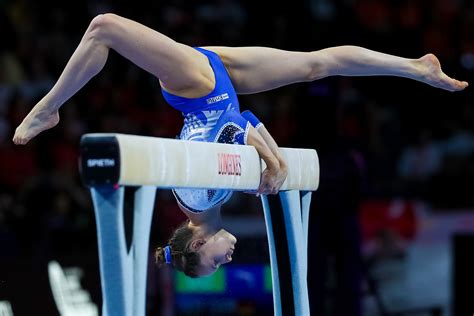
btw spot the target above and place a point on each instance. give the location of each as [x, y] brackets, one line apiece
[197, 251]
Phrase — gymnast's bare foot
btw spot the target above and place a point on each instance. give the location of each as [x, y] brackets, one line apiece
[38, 120]
[432, 74]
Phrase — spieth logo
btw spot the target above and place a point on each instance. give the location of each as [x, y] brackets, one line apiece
[229, 164]
[100, 163]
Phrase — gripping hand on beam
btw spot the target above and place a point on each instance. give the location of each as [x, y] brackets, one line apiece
[276, 170]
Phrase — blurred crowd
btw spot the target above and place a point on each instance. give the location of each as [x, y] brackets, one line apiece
[414, 141]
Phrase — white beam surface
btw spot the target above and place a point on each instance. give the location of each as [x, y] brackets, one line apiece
[173, 163]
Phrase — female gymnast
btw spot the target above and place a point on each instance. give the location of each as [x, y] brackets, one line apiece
[200, 245]
[203, 83]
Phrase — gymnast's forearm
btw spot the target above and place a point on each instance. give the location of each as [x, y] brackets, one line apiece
[275, 173]
[255, 139]
[272, 145]
[273, 176]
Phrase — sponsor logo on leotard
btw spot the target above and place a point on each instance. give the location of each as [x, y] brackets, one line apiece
[100, 163]
[229, 164]
[218, 98]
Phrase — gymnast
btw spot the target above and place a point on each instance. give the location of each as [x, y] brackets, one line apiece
[203, 84]
[200, 245]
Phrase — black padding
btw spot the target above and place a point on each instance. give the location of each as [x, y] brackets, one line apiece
[99, 161]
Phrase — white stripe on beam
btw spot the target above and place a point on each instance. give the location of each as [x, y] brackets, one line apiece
[173, 163]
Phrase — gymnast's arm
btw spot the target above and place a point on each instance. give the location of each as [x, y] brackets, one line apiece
[275, 173]
[273, 147]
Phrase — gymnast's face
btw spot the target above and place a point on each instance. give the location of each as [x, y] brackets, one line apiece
[216, 251]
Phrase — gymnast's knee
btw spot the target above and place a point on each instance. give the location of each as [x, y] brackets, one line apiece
[316, 66]
[101, 26]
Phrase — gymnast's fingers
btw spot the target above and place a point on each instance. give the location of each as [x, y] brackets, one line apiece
[274, 191]
[261, 187]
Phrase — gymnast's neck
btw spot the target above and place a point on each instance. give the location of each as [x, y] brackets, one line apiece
[209, 221]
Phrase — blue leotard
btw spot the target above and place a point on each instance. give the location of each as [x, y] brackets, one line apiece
[212, 118]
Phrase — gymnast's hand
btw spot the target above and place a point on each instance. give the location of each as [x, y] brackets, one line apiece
[276, 171]
[272, 178]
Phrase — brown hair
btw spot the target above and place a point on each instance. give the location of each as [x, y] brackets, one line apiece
[182, 258]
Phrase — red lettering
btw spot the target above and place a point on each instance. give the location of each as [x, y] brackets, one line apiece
[226, 161]
[239, 167]
[229, 164]
[224, 164]
[219, 163]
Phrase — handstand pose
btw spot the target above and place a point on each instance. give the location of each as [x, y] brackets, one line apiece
[203, 83]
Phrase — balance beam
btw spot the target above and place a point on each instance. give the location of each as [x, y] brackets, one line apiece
[131, 160]
[110, 162]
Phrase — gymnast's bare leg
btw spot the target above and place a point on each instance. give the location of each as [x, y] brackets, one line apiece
[185, 72]
[257, 69]
[181, 69]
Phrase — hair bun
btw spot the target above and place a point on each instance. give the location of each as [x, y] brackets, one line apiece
[160, 256]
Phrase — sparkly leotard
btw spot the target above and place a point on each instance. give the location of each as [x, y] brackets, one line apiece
[214, 117]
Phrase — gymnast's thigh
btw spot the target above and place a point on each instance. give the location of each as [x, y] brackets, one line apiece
[179, 67]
